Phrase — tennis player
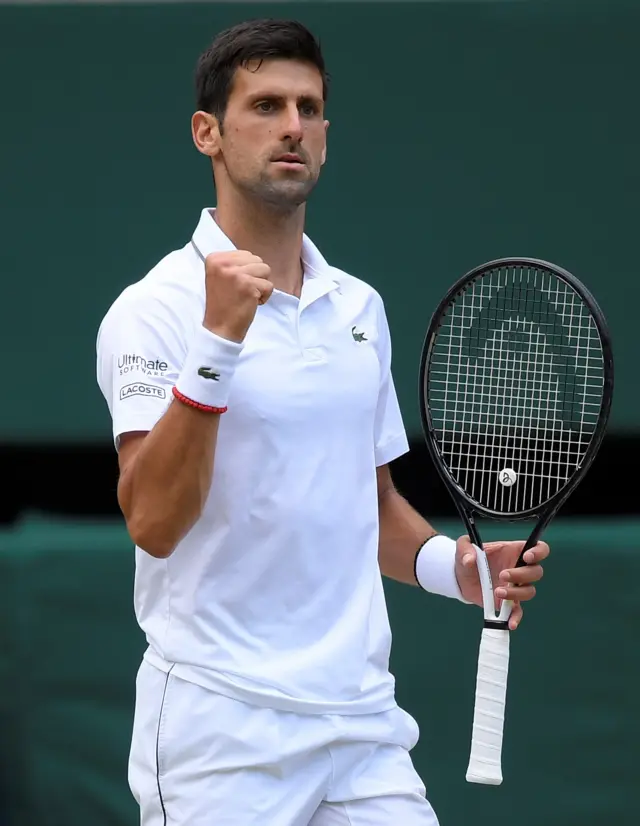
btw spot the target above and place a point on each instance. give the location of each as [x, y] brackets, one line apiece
[255, 417]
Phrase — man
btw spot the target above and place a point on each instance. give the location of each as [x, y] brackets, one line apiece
[255, 417]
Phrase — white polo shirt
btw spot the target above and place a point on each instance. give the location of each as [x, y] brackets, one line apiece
[275, 596]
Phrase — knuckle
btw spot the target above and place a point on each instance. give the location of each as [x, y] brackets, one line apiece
[218, 257]
[211, 265]
[218, 267]
[245, 285]
[248, 258]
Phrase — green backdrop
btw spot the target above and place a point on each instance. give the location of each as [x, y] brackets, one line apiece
[460, 132]
[71, 649]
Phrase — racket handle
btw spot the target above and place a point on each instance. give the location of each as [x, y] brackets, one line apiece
[485, 762]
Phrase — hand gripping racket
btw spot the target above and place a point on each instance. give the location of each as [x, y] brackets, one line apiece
[516, 381]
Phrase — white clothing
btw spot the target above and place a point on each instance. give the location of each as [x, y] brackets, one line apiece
[275, 596]
[201, 759]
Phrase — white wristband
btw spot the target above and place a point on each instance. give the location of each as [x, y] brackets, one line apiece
[207, 372]
[435, 567]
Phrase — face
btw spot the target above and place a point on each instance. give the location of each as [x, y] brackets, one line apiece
[273, 138]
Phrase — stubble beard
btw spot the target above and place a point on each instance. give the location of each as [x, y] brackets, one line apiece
[283, 196]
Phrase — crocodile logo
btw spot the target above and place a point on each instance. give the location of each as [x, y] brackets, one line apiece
[207, 373]
[358, 336]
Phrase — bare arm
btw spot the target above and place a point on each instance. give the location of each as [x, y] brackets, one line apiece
[402, 531]
[165, 476]
[166, 472]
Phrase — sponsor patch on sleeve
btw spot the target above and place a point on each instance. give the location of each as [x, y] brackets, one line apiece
[139, 389]
[130, 363]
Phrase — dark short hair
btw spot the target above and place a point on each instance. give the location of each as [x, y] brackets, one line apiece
[246, 42]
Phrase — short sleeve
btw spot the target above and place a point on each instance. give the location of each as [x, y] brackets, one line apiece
[390, 436]
[140, 349]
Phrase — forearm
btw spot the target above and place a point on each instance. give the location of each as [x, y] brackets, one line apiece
[402, 532]
[409, 546]
[164, 489]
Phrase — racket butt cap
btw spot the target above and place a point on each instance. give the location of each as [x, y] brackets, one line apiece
[487, 779]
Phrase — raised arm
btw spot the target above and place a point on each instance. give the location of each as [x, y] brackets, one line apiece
[167, 438]
[165, 476]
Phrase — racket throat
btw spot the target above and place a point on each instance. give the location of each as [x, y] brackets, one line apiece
[499, 625]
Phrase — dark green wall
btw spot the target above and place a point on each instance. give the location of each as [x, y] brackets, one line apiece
[572, 735]
[460, 132]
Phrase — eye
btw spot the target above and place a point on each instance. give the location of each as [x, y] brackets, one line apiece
[265, 106]
[309, 109]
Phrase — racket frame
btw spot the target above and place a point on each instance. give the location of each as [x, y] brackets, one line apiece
[493, 661]
[551, 506]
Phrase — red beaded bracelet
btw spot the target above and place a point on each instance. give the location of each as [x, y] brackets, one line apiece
[190, 402]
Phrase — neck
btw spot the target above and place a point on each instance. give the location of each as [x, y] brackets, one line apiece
[274, 236]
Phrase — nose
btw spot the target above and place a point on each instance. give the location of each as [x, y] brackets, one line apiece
[292, 124]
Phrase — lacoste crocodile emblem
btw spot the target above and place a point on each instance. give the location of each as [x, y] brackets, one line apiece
[207, 373]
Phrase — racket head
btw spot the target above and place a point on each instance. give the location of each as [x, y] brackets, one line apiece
[589, 321]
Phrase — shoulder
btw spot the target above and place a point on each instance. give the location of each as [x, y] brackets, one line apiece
[362, 295]
[367, 306]
[169, 295]
[154, 317]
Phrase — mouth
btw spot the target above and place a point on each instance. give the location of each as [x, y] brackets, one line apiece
[289, 159]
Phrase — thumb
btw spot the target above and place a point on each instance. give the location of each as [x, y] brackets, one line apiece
[466, 552]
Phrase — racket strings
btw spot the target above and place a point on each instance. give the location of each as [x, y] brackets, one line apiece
[515, 384]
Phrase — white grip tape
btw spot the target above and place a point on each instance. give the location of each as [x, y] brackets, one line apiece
[485, 762]
[208, 369]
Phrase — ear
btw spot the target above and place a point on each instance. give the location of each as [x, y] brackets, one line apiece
[324, 151]
[205, 131]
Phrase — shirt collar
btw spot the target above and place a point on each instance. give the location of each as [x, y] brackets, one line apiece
[208, 238]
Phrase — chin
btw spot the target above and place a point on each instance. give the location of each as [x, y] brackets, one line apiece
[285, 194]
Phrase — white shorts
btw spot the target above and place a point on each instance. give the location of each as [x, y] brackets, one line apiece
[201, 759]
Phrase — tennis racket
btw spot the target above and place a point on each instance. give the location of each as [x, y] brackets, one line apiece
[516, 381]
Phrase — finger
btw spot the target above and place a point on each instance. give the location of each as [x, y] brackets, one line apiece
[466, 549]
[537, 553]
[522, 576]
[231, 258]
[256, 270]
[502, 544]
[264, 290]
[247, 257]
[521, 593]
[516, 616]
[239, 257]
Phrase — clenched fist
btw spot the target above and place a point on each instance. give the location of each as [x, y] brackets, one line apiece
[236, 282]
